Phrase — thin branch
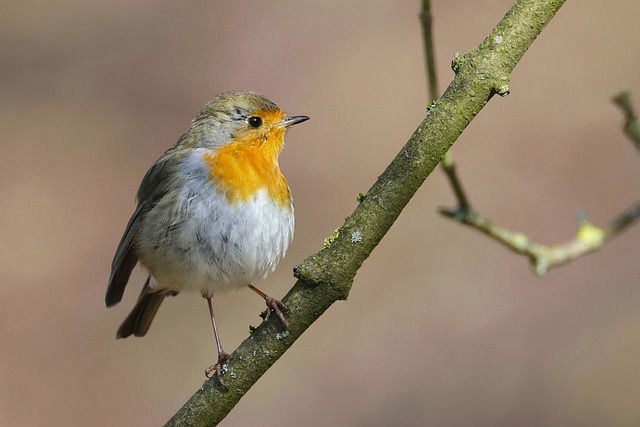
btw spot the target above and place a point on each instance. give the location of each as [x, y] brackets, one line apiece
[426, 18]
[447, 163]
[631, 124]
[464, 207]
[623, 221]
[327, 276]
[589, 238]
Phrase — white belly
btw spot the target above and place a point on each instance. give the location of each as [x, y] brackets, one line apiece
[199, 242]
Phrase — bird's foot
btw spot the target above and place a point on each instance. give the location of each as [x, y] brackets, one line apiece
[276, 306]
[217, 368]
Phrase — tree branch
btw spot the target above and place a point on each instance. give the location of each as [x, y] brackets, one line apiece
[631, 124]
[327, 276]
[426, 19]
[589, 238]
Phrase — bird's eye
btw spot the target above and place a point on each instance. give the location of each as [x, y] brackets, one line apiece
[255, 122]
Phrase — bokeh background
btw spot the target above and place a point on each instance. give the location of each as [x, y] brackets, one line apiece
[443, 327]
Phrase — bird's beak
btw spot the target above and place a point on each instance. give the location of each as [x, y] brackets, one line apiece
[294, 120]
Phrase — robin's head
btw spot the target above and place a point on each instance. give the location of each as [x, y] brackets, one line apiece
[244, 118]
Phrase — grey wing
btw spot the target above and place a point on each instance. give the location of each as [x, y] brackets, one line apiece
[152, 189]
[123, 261]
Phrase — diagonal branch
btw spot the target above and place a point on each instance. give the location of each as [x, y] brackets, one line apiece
[327, 276]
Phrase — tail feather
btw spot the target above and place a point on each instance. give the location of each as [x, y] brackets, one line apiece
[138, 321]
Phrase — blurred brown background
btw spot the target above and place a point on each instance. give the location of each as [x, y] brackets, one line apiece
[443, 327]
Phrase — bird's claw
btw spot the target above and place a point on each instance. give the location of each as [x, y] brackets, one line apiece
[274, 305]
[217, 368]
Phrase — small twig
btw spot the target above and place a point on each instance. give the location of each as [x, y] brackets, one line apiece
[448, 165]
[449, 168]
[429, 58]
[589, 237]
[631, 124]
[622, 221]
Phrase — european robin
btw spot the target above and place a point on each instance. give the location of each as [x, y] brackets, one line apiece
[214, 212]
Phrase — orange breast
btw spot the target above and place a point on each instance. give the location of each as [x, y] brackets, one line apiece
[241, 170]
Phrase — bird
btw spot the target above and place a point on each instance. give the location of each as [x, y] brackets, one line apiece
[213, 213]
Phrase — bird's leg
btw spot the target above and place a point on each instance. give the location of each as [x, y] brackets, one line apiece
[222, 356]
[272, 305]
